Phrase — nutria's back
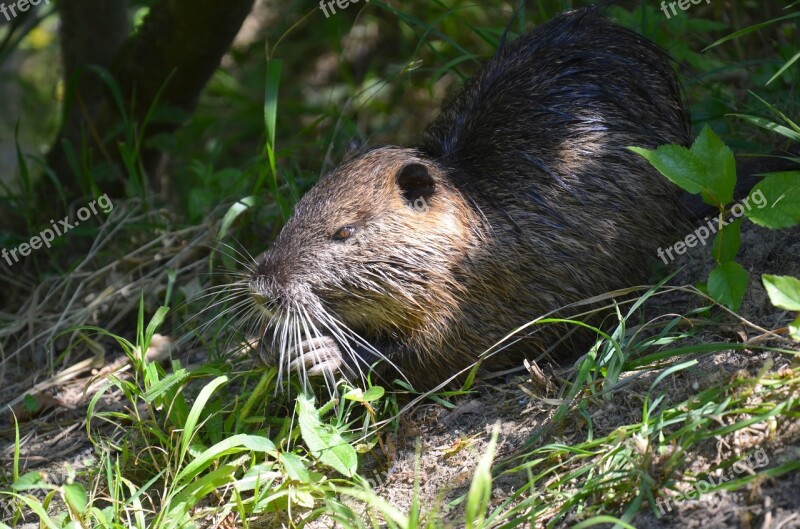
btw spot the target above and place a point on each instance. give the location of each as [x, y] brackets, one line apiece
[522, 198]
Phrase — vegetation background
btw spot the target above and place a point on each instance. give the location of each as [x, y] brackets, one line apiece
[204, 122]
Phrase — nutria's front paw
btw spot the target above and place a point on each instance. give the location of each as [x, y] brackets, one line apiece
[317, 356]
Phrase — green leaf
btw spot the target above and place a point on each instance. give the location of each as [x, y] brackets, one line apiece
[295, 468]
[38, 509]
[681, 166]
[359, 395]
[30, 403]
[76, 497]
[31, 481]
[197, 408]
[480, 490]
[720, 165]
[726, 243]
[232, 445]
[775, 201]
[785, 67]
[750, 29]
[323, 440]
[373, 393]
[155, 323]
[794, 329]
[236, 209]
[783, 291]
[163, 386]
[770, 126]
[727, 284]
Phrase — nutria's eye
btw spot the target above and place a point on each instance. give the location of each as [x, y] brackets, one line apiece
[343, 233]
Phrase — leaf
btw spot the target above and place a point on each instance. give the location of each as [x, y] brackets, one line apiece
[785, 67]
[76, 497]
[726, 243]
[750, 29]
[359, 395]
[480, 490]
[727, 284]
[770, 126]
[295, 468]
[236, 209]
[197, 408]
[232, 445]
[776, 201]
[783, 291]
[325, 442]
[678, 164]
[720, 165]
[373, 393]
[794, 329]
[155, 323]
[163, 386]
[31, 481]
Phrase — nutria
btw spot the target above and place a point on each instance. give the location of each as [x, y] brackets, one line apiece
[522, 197]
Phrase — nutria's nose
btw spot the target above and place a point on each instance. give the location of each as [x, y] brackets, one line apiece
[272, 268]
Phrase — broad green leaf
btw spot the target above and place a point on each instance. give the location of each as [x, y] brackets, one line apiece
[794, 329]
[355, 394]
[31, 481]
[76, 497]
[775, 201]
[295, 467]
[323, 440]
[720, 166]
[726, 243]
[681, 166]
[359, 395]
[373, 393]
[783, 291]
[727, 284]
[261, 475]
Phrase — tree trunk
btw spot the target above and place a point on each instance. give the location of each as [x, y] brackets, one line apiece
[175, 51]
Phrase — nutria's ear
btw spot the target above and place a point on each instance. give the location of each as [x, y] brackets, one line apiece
[415, 182]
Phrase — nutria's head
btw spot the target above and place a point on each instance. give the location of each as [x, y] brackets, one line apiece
[367, 262]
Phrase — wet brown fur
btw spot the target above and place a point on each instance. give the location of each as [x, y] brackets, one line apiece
[531, 201]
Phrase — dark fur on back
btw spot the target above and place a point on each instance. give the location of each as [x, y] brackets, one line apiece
[531, 202]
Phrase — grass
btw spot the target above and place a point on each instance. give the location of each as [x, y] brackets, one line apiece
[209, 439]
[178, 450]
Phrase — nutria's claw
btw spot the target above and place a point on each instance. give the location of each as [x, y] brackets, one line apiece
[317, 356]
